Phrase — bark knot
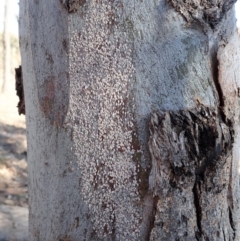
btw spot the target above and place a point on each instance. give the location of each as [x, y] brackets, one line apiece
[186, 142]
[73, 5]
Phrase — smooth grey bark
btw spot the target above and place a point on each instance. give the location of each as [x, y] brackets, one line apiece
[133, 119]
[6, 46]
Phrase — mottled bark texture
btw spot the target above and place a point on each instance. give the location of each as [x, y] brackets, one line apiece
[132, 113]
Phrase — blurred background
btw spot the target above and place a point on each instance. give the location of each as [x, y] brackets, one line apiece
[13, 165]
[13, 147]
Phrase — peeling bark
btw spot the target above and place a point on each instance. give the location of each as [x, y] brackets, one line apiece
[206, 12]
[20, 90]
[191, 158]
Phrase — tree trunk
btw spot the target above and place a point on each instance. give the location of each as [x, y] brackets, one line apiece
[132, 118]
[6, 46]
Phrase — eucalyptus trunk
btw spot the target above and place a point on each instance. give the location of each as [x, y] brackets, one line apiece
[132, 112]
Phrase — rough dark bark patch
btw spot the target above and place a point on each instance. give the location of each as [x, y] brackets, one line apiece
[209, 12]
[73, 5]
[20, 90]
[190, 151]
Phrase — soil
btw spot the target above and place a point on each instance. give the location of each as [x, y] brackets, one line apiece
[13, 166]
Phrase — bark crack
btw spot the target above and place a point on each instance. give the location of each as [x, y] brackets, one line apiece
[198, 233]
[230, 204]
[231, 221]
[224, 236]
[153, 217]
[215, 72]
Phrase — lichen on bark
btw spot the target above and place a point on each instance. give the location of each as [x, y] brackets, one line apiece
[102, 115]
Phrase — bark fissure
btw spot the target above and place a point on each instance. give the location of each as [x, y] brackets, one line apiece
[218, 87]
[230, 202]
[198, 209]
[224, 235]
[153, 217]
[231, 221]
